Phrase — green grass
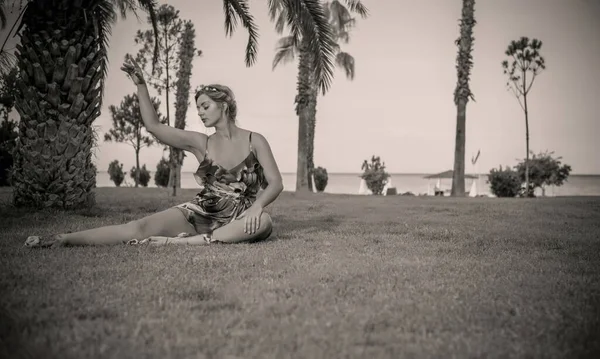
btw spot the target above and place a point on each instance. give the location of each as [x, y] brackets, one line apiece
[341, 277]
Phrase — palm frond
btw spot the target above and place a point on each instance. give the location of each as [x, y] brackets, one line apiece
[306, 18]
[150, 6]
[346, 62]
[286, 51]
[241, 9]
[7, 61]
[2, 16]
[277, 14]
[104, 18]
[338, 13]
[358, 7]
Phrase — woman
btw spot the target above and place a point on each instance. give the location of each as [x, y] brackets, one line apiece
[234, 165]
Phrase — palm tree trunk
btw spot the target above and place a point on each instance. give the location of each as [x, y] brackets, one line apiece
[61, 69]
[136, 178]
[458, 176]
[310, 135]
[303, 112]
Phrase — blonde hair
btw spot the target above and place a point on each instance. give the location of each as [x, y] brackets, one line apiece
[220, 94]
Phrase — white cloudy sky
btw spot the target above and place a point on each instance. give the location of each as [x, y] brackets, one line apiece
[400, 105]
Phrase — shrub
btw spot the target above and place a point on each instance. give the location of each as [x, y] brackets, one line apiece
[544, 170]
[504, 182]
[375, 175]
[161, 177]
[321, 178]
[8, 135]
[144, 175]
[115, 170]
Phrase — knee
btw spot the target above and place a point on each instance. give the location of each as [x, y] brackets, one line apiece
[266, 226]
[136, 229]
[265, 219]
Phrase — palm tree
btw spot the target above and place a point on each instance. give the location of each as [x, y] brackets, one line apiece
[341, 22]
[62, 60]
[462, 93]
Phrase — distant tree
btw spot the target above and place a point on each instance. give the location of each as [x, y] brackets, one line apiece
[173, 72]
[186, 53]
[161, 176]
[128, 127]
[321, 178]
[8, 91]
[544, 170]
[375, 175]
[8, 128]
[462, 93]
[141, 175]
[8, 136]
[526, 58]
[116, 173]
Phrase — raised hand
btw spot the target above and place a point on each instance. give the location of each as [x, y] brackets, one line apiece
[134, 71]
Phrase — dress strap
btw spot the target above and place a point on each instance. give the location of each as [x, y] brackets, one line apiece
[250, 141]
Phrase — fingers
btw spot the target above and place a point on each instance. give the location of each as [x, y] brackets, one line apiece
[135, 64]
[251, 224]
[248, 225]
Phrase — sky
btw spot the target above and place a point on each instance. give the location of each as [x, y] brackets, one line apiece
[400, 104]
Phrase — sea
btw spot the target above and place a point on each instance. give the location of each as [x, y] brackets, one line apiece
[350, 183]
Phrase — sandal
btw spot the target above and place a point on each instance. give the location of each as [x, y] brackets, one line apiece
[43, 242]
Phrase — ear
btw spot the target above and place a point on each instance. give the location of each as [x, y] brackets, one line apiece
[225, 107]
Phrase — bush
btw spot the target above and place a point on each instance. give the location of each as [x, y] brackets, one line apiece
[375, 175]
[321, 178]
[544, 170]
[504, 182]
[161, 177]
[115, 170]
[144, 175]
[8, 135]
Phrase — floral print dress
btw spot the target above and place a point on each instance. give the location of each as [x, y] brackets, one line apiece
[225, 194]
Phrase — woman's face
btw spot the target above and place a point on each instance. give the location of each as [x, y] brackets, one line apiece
[209, 111]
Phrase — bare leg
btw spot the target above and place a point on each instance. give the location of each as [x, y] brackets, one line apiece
[168, 223]
[229, 233]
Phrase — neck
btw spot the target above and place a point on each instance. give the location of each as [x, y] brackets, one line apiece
[225, 129]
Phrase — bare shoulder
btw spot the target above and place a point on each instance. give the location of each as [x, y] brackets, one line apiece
[258, 139]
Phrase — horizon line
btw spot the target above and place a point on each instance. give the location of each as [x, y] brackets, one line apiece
[400, 173]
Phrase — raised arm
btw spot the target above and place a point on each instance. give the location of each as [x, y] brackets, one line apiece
[186, 140]
[190, 141]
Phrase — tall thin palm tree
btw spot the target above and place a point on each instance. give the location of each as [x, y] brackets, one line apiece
[462, 93]
[62, 58]
[340, 21]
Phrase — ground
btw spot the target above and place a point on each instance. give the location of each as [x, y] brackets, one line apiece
[342, 277]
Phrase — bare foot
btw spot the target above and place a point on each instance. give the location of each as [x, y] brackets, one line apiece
[43, 242]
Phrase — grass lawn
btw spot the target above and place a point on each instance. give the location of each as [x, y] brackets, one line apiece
[341, 277]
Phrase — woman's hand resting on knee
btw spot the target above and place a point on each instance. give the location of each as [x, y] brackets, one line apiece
[252, 218]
